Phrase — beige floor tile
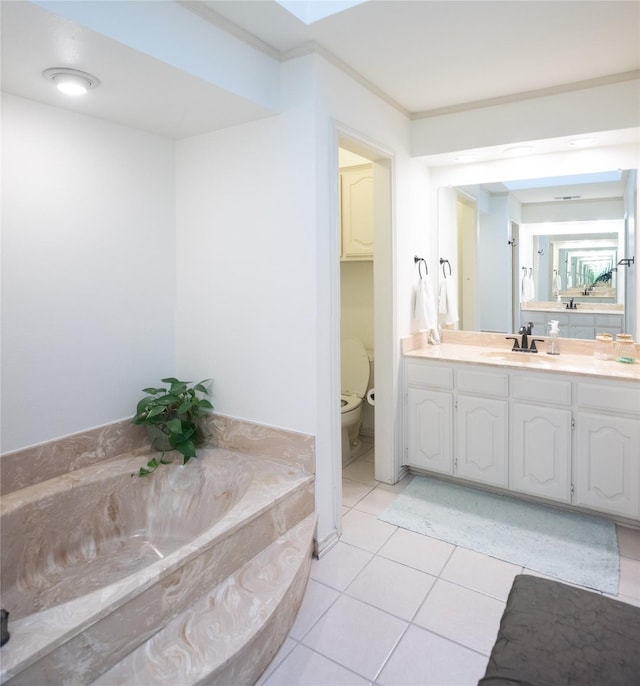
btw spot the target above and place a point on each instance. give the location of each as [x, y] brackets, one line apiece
[480, 573]
[304, 667]
[421, 552]
[370, 455]
[628, 542]
[376, 502]
[365, 530]
[317, 600]
[352, 492]
[399, 486]
[392, 587]
[361, 472]
[356, 635]
[461, 615]
[629, 584]
[424, 659]
[287, 646]
[339, 567]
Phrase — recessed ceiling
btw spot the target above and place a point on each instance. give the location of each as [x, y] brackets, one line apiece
[421, 55]
[432, 54]
[136, 90]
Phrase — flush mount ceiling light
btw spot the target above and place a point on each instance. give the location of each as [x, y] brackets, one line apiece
[71, 81]
[520, 149]
[581, 142]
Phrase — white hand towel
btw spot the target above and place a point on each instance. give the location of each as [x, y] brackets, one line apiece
[523, 288]
[557, 284]
[448, 302]
[531, 288]
[424, 310]
[569, 281]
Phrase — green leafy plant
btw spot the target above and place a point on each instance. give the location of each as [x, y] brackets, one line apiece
[174, 413]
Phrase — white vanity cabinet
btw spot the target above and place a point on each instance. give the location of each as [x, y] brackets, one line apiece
[540, 436]
[574, 323]
[607, 473]
[480, 421]
[429, 413]
[430, 439]
[564, 438]
[356, 205]
[440, 420]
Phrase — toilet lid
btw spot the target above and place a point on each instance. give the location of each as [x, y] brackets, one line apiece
[355, 368]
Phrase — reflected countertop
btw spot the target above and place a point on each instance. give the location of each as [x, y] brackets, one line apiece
[582, 307]
[495, 351]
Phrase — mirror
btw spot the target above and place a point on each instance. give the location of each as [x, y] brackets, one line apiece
[525, 249]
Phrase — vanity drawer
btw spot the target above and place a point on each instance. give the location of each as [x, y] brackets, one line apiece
[541, 389]
[614, 398]
[426, 374]
[482, 382]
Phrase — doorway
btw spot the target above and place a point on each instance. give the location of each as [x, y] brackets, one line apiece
[375, 300]
[357, 251]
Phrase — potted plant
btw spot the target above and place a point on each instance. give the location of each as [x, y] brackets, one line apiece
[173, 418]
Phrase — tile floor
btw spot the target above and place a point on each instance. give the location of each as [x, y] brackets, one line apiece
[389, 607]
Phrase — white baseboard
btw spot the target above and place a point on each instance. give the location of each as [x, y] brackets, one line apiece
[322, 547]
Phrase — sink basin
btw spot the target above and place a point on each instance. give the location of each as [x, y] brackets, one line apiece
[512, 356]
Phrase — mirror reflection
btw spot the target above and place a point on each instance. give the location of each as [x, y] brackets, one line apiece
[524, 250]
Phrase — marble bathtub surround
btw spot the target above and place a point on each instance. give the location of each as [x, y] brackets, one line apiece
[143, 551]
[35, 464]
[287, 447]
[22, 468]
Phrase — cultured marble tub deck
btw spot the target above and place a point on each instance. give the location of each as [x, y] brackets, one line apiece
[96, 560]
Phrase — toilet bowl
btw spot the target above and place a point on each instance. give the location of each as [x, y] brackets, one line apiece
[355, 378]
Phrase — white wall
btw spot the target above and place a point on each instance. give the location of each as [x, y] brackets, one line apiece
[356, 301]
[246, 267]
[88, 273]
[605, 107]
[258, 262]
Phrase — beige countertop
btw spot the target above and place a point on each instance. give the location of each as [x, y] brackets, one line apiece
[495, 351]
[582, 307]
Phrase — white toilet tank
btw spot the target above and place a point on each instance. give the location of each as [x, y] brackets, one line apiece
[354, 367]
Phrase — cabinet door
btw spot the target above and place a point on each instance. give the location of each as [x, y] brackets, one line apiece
[540, 451]
[429, 425]
[607, 463]
[357, 212]
[583, 332]
[481, 440]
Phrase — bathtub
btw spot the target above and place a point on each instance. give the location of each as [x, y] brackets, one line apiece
[95, 561]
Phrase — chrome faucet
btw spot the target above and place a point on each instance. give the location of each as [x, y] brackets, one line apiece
[523, 345]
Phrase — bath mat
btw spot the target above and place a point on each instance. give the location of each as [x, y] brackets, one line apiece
[573, 547]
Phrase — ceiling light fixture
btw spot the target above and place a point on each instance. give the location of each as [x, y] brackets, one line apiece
[465, 157]
[71, 81]
[520, 149]
[581, 142]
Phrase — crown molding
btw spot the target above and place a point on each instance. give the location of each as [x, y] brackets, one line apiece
[529, 95]
[313, 48]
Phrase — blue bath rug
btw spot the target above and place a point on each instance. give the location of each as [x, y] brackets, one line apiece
[576, 548]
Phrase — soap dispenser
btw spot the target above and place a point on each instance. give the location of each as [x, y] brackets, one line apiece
[554, 338]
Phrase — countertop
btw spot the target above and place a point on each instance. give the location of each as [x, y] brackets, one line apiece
[583, 307]
[496, 352]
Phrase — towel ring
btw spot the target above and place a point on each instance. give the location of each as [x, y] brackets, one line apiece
[443, 262]
[420, 261]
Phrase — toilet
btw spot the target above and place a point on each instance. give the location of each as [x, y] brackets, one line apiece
[355, 379]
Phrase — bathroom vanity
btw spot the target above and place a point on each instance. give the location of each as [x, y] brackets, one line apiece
[585, 321]
[565, 429]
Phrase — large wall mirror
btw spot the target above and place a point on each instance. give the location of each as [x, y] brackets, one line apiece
[522, 250]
